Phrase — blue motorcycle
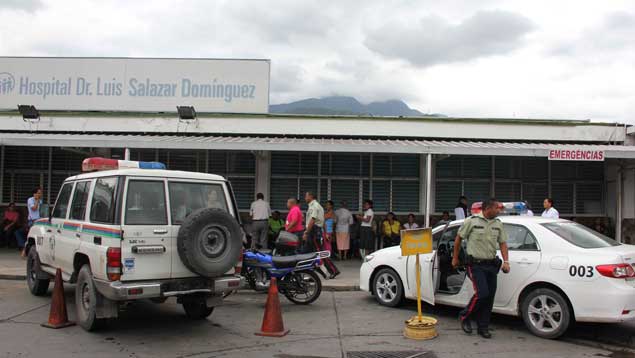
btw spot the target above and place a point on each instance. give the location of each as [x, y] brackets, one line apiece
[295, 274]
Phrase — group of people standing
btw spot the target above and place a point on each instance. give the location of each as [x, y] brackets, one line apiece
[316, 233]
[340, 231]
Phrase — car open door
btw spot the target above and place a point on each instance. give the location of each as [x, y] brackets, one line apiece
[428, 277]
[426, 262]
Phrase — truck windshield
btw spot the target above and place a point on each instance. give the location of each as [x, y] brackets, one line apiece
[185, 198]
[579, 235]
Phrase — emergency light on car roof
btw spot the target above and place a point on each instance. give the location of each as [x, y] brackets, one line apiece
[98, 164]
[512, 207]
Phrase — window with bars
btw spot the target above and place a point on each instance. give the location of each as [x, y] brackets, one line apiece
[458, 176]
[238, 167]
[26, 168]
[576, 187]
[392, 181]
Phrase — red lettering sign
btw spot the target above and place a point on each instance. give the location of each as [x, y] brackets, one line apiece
[576, 154]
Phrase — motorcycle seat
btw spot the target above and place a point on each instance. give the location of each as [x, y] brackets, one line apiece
[291, 261]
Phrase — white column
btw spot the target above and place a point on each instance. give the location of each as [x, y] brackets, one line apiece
[618, 209]
[263, 172]
[428, 188]
[422, 184]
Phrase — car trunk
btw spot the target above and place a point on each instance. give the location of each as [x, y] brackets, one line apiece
[624, 254]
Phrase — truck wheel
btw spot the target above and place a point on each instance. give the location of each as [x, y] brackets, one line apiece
[196, 307]
[37, 286]
[86, 300]
[546, 313]
[209, 242]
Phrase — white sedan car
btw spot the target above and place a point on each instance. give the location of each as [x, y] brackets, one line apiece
[561, 272]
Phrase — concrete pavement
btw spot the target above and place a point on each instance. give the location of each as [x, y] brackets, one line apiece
[12, 266]
[337, 324]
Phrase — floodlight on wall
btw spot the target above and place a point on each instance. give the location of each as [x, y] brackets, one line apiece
[186, 112]
[28, 111]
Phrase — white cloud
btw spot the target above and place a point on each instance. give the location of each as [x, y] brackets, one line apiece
[490, 58]
[433, 40]
[24, 5]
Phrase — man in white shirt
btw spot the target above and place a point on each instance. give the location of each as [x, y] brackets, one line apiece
[259, 212]
[367, 237]
[550, 211]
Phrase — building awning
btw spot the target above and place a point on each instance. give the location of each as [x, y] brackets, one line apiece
[252, 143]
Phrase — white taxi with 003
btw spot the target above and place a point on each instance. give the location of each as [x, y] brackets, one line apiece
[561, 272]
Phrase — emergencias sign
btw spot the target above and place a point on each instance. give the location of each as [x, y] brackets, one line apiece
[576, 154]
[135, 84]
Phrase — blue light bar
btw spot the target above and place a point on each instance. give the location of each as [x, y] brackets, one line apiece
[151, 165]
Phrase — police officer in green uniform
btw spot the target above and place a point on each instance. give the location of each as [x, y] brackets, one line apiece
[484, 234]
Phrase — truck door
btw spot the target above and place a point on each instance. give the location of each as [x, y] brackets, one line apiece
[69, 233]
[46, 246]
[185, 198]
[146, 244]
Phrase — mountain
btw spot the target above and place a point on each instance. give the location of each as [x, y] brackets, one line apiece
[340, 105]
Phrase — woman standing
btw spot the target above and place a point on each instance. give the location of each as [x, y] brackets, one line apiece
[343, 221]
[329, 226]
[367, 237]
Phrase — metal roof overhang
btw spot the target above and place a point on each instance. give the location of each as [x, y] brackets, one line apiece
[303, 144]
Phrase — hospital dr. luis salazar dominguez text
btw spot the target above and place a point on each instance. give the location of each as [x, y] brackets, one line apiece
[135, 84]
[80, 86]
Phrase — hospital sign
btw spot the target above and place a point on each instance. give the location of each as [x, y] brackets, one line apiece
[135, 84]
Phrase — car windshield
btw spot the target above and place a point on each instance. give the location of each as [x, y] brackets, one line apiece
[580, 235]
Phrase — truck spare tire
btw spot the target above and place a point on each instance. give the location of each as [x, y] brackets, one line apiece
[209, 242]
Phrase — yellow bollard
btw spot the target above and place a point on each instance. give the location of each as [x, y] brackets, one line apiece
[420, 327]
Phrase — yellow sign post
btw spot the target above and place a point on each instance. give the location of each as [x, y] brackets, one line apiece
[416, 242]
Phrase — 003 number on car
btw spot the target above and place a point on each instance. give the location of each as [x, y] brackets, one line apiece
[581, 271]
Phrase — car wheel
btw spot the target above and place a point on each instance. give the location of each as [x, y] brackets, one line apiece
[86, 297]
[388, 288]
[209, 242]
[196, 307]
[37, 286]
[546, 313]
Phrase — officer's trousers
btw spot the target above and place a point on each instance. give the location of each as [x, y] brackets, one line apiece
[483, 277]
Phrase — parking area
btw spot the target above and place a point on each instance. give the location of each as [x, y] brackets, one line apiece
[337, 324]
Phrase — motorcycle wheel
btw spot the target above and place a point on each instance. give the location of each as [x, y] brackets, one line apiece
[302, 287]
[254, 275]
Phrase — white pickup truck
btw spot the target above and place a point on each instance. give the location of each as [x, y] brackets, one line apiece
[130, 233]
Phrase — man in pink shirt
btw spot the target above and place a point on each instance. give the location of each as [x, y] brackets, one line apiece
[293, 223]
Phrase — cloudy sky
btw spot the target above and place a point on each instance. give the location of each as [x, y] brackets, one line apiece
[486, 58]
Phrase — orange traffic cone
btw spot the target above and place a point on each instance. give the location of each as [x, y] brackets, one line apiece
[58, 317]
[272, 325]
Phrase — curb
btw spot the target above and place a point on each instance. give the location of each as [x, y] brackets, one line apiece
[13, 277]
